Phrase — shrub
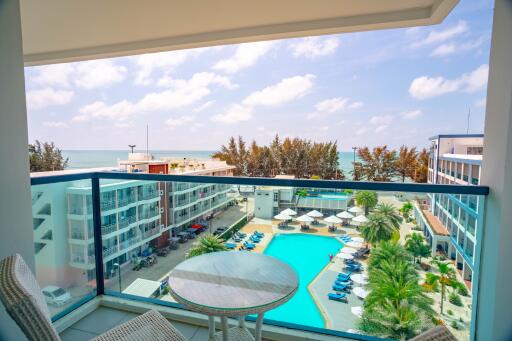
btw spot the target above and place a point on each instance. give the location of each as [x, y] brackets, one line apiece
[455, 299]
[437, 322]
[165, 291]
[449, 312]
[454, 325]
[463, 290]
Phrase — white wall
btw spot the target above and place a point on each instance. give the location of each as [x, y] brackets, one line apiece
[494, 311]
[264, 203]
[15, 199]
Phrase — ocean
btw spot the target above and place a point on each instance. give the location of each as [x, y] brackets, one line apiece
[109, 158]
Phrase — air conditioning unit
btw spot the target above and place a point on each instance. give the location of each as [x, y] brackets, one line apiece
[161, 210]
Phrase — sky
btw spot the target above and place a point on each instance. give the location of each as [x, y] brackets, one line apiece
[390, 87]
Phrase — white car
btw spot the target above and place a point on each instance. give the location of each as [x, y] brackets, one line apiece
[55, 295]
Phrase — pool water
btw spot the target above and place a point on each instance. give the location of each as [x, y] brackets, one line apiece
[307, 255]
[331, 196]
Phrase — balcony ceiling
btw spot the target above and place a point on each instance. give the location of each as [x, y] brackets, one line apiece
[70, 30]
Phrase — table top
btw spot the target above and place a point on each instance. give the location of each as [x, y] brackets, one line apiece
[232, 283]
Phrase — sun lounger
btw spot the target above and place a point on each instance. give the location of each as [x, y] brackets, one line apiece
[249, 245]
[348, 273]
[339, 288]
[348, 283]
[337, 297]
[259, 233]
[230, 245]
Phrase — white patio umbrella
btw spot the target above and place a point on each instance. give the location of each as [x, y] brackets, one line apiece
[305, 219]
[344, 256]
[358, 239]
[333, 220]
[360, 219]
[282, 216]
[348, 250]
[289, 211]
[358, 311]
[354, 244]
[359, 279]
[315, 214]
[360, 292]
[356, 210]
[345, 215]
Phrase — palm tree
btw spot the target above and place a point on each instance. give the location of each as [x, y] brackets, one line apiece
[390, 213]
[378, 228]
[406, 209]
[445, 277]
[415, 244]
[387, 251]
[367, 199]
[206, 244]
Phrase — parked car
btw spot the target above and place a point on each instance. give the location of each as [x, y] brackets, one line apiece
[56, 295]
[219, 230]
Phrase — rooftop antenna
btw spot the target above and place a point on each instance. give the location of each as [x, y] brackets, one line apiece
[132, 146]
[147, 141]
[469, 115]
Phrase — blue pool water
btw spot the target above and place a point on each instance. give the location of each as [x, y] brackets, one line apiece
[308, 255]
[331, 196]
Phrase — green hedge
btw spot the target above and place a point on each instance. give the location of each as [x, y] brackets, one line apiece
[234, 228]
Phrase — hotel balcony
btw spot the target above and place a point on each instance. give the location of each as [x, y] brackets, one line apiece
[36, 33]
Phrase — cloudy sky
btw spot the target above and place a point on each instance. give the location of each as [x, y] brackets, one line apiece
[387, 87]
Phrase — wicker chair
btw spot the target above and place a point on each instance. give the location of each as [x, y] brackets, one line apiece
[23, 300]
[439, 333]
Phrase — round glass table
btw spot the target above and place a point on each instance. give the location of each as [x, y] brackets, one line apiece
[233, 284]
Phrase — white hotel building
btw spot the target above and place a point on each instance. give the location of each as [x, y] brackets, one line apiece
[450, 222]
[134, 215]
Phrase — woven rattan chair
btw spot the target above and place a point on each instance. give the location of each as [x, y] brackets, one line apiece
[23, 300]
[439, 333]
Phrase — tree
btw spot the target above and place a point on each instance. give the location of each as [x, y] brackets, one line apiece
[390, 213]
[45, 157]
[377, 229]
[421, 168]
[397, 306]
[406, 162]
[406, 209]
[415, 244]
[206, 244]
[367, 199]
[377, 165]
[445, 277]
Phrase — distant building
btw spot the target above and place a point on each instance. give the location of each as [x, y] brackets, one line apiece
[134, 215]
[450, 222]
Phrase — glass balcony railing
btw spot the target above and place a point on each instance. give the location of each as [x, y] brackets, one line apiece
[302, 241]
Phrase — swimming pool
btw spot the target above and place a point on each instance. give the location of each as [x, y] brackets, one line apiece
[330, 196]
[308, 255]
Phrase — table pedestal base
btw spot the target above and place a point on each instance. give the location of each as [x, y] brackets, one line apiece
[238, 333]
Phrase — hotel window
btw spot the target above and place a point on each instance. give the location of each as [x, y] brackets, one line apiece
[475, 150]
[76, 204]
[276, 196]
[471, 224]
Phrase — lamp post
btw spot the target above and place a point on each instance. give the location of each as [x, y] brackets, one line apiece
[118, 266]
[354, 148]
[132, 146]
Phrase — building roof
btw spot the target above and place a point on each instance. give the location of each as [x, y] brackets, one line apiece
[63, 31]
[435, 224]
[451, 136]
[142, 287]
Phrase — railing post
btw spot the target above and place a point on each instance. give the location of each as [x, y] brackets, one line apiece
[98, 243]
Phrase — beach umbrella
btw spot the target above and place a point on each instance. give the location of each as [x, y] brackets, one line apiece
[360, 292]
[333, 220]
[305, 219]
[345, 215]
[359, 279]
[282, 216]
[358, 311]
[358, 239]
[360, 219]
[344, 256]
[355, 210]
[348, 250]
[354, 244]
[288, 211]
[315, 214]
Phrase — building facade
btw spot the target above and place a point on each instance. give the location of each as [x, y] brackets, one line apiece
[451, 222]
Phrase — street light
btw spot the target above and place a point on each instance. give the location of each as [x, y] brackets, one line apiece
[354, 148]
[132, 146]
[118, 274]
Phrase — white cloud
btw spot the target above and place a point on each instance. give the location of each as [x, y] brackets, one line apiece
[361, 131]
[410, 115]
[147, 63]
[53, 75]
[313, 47]
[246, 55]
[174, 122]
[198, 79]
[381, 120]
[38, 99]
[98, 73]
[452, 48]
[235, 113]
[204, 106]
[286, 90]
[381, 128]
[180, 93]
[443, 35]
[332, 105]
[426, 87]
[55, 124]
